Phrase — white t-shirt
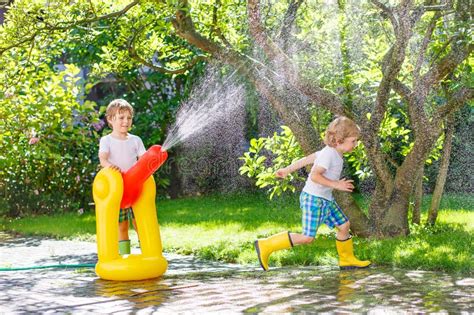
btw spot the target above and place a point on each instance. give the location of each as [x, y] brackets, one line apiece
[332, 161]
[123, 153]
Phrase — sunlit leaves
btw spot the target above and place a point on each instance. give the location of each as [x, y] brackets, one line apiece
[283, 149]
[46, 150]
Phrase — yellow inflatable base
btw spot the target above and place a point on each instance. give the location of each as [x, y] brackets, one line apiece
[133, 267]
[107, 191]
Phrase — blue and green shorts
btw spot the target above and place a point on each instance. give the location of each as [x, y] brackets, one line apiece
[126, 215]
[317, 211]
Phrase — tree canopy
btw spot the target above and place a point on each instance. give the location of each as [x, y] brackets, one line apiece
[363, 59]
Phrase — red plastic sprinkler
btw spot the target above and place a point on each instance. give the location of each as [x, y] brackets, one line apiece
[134, 178]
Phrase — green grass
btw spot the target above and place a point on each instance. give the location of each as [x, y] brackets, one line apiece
[224, 227]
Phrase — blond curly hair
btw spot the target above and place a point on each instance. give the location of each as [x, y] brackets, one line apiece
[340, 129]
[117, 106]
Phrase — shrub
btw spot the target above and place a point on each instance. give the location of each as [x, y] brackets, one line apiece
[49, 146]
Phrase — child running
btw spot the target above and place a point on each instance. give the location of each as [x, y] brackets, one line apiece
[120, 150]
[316, 200]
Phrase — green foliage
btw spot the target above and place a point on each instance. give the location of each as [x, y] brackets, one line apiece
[285, 150]
[73, 34]
[48, 144]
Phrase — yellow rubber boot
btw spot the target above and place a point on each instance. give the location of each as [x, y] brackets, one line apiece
[266, 246]
[345, 249]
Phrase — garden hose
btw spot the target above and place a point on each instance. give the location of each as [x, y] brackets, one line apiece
[62, 266]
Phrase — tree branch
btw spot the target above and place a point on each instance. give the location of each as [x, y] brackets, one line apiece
[321, 97]
[387, 11]
[91, 5]
[98, 18]
[68, 25]
[257, 30]
[391, 66]
[456, 101]
[461, 48]
[133, 54]
[424, 45]
[315, 93]
[437, 8]
[184, 27]
[445, 66]
[215, 28]
[18, 44]
[402, 90]
[288, 22]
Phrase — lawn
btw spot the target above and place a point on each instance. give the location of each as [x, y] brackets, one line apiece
[223, 227]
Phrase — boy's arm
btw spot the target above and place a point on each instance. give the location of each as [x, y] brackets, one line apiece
[104, 161]
[141, 148]
[342, 184]
[307, 160]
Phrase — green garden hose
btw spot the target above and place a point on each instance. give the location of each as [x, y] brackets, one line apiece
[62, 266]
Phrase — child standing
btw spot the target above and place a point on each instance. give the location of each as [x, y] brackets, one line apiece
[316, 199]
[120, 150]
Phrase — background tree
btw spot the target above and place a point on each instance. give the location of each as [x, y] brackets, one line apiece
[402, 51]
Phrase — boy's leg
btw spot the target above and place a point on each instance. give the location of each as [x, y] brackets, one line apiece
[123, 230]
[311, 218]
[131, 217]
[347, 260]
[284, 240]
[134, 223]
[344, 244]
[343, 231]
[124, 241]
[300, 239]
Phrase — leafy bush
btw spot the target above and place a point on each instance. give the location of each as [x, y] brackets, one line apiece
[284, 150]
[48, 146]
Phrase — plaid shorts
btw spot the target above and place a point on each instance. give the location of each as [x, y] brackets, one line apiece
[126, 215]
[316, 211]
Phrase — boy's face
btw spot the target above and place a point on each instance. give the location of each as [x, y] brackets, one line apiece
[121, 122]
[348, 144]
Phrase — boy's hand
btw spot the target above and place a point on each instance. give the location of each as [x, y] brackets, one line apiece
[114, 167]
[282, 173]
[344, 185]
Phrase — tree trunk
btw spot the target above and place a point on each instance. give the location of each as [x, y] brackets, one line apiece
[359, 221]
[395, 221]
[388, 211]
[378, 206]
[295, 113]
[418, 197]
[389, 208]
[443, 172]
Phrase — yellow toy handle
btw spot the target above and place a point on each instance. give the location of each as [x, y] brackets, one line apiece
[108, 191]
